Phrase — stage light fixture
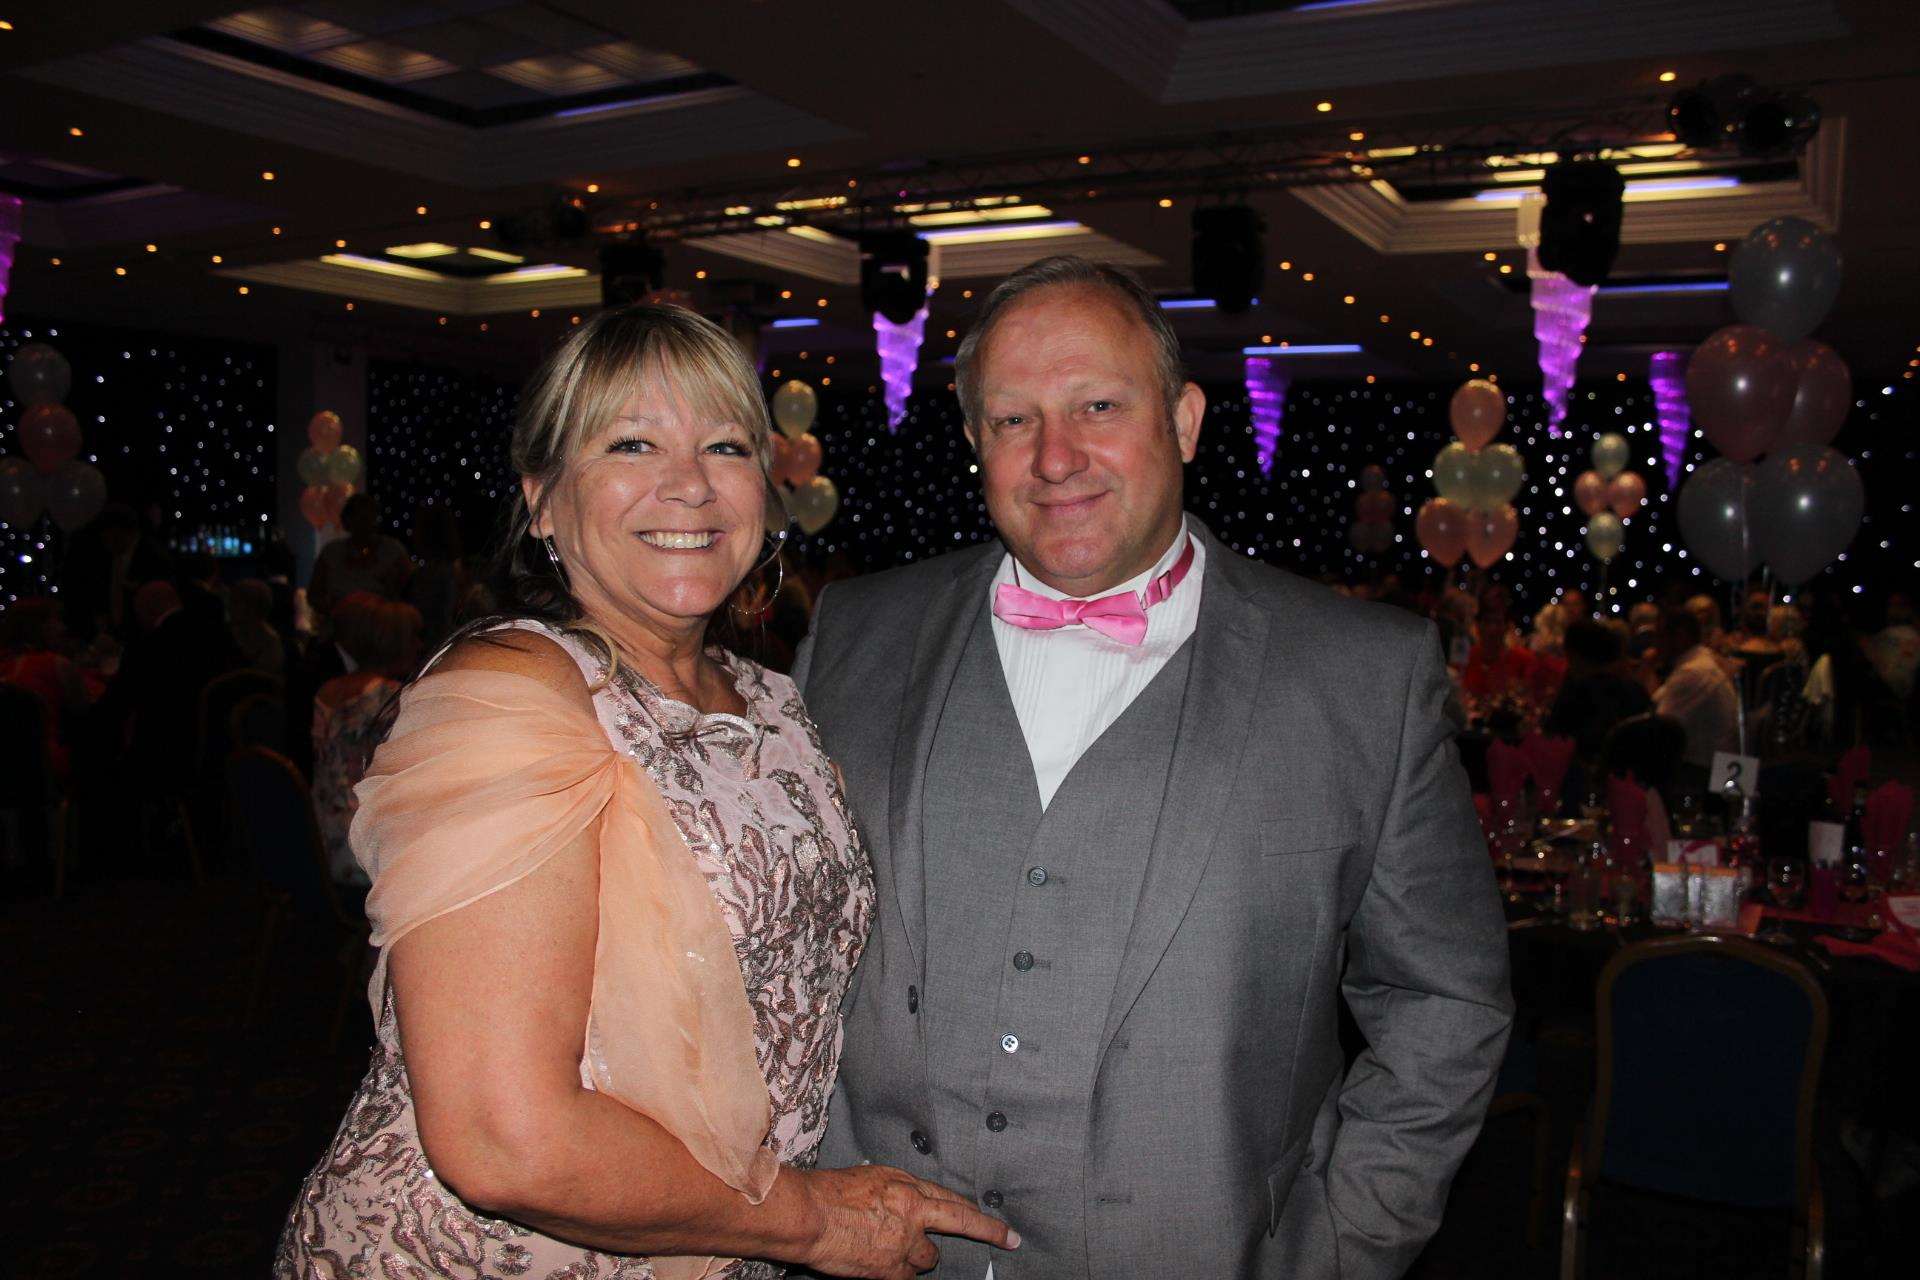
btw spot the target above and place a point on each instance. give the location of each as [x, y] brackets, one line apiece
[1580, 225]
[1229, 257]
[893, 274]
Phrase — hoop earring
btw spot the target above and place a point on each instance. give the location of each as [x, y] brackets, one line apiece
[779, 541]
[553, 557]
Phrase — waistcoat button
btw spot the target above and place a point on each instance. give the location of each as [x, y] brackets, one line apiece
[993, 1199]
[921, 1142]
[1023, 960]
[996, 1121]
[1036, 875]
[1010, 1043]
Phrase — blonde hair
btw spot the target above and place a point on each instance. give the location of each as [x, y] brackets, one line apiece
[581, 388]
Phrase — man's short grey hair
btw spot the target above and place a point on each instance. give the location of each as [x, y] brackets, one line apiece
[1067, 270]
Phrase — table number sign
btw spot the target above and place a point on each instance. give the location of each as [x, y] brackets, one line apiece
[1738, 771]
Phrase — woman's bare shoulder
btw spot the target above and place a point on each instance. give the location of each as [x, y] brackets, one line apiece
[520, 652]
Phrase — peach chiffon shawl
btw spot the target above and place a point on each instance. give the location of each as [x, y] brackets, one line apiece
[485, 776]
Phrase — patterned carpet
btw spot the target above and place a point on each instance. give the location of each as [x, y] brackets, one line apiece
[147, 1128]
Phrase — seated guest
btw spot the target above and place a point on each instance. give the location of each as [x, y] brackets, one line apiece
[105, 563]
[1497, 664]
[1643, 630]
[1549, 630]
[352, 713]
[1697, 691]
[364, 560]
[1573, 605]
[1705, 608]
[158, 686]
[249, 605]
[323, 659]
[1597, 694]
[33, 658]
[1894, 649]
[1780, 704]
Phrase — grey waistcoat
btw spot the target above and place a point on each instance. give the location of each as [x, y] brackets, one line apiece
[1023, 954]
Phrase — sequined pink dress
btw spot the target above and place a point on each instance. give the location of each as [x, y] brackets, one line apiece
[761, 811]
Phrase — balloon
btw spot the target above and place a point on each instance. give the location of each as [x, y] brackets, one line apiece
[1626, 494]
[23, 493]
[313, 505]
[49, 435]
[1605, 533]
[1823, 392]
[1374, 508]
[814, 503]
[1490, 535]
[1372, 476]
[39, 374]
[344, 466]
[323, 431]
[806, 458]
[1441, 526]
[1502, 471]
[335, 496]
[1715, 503]
[782, 462]
[1740, 388]
[1611, 453]
[75, 494]
[1478, 411]
[1590, 491]
[794, 408]
[1807, 504]
[1456, 475]
[312, 467]
[1784, 277]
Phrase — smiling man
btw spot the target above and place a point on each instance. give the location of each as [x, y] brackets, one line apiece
[1141, 813]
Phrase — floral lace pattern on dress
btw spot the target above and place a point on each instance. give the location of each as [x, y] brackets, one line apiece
[761, 809]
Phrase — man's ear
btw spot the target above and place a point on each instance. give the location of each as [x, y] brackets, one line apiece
[541, 525]
[1187, 412]
[973, 441]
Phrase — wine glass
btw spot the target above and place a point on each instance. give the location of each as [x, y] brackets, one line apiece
[1786, 888]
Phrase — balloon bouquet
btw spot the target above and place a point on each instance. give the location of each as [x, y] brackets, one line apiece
[331, 471]
[1476, 481]
[809, 497]
[1764, 390]
[1372, 530]
[1608, 495]
[51, 478]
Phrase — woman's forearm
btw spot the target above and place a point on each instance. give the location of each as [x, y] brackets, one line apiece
[601, 1175]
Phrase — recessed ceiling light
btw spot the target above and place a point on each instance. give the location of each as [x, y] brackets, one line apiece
[1348, 299]
[349, 306]
[1369, 379]
[119, 271]
[786, 294]
[1619, 377]
[700, 275]
[1720, 246]
[593, 188]
[153, 248]
[1166, 203]
[1415, 335]
[793, 162]
[1506, 268]
[1357, 136]
[1084, 159]
[420, 209]
[573, 319]
[1473, 367]
[266, 175]
[953, 333]
[243, 290]
[5, 25]
[1323, 107]
[1384, 317]
[822, 302]
[535, 313]
[1666, 77]
[1426, 342]
[966, 293]
[1307, 276]
[276, 231]
[486, 224]
[483, 326]
[1286, 266]
[54, 261]
[217, 259]
[77, 132]
[339, 244]
[1490, 256]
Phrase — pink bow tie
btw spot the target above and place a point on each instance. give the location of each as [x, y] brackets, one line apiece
[1121, 616]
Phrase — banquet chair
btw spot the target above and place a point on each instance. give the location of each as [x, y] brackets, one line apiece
[273, 816]
[218, 699]
[1516, 1092]
[1709, 1055]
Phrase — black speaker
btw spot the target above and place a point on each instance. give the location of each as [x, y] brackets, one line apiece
[1580, 227]
[629, 271]
[893, 274]
[1229, 256]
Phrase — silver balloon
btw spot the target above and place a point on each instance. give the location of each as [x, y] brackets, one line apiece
[343, 466]
[1716, 519]
[312, 467]
[1784, 277]
[39, 375]
[1456, 475]
[1502, 472]
[795, 406]
[814, 503]
[75, 494]
[1611, 453]
[1807, 504]
[23, 494]
[1605, 533]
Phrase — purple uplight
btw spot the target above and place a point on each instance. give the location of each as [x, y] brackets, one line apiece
[899, 347]
[1561, 310]
[1267, 398]
[9, 240]
[1668, 373]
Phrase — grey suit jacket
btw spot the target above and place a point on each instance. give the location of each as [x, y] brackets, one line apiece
[1318, 840]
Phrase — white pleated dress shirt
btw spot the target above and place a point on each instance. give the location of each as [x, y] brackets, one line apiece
[1069, 685]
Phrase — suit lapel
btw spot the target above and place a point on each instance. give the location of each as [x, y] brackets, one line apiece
[938, 643]
[1231, 652]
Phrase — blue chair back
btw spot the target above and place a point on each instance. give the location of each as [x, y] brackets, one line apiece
[273, 812]
[1710, 1052]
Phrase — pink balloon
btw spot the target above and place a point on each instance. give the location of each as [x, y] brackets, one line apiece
[49, 436]
[806, 458]
[1823, 392]
[323, 431]
[1590, 493]
[1375, 507]
[1478, 411]
[1490, 535]
[336, 499]
[1741, 389]
[782, 459]
[313, 505]
[1625, 495]
[1441, 527]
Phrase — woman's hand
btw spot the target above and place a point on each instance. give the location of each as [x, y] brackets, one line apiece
[873, 1222]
